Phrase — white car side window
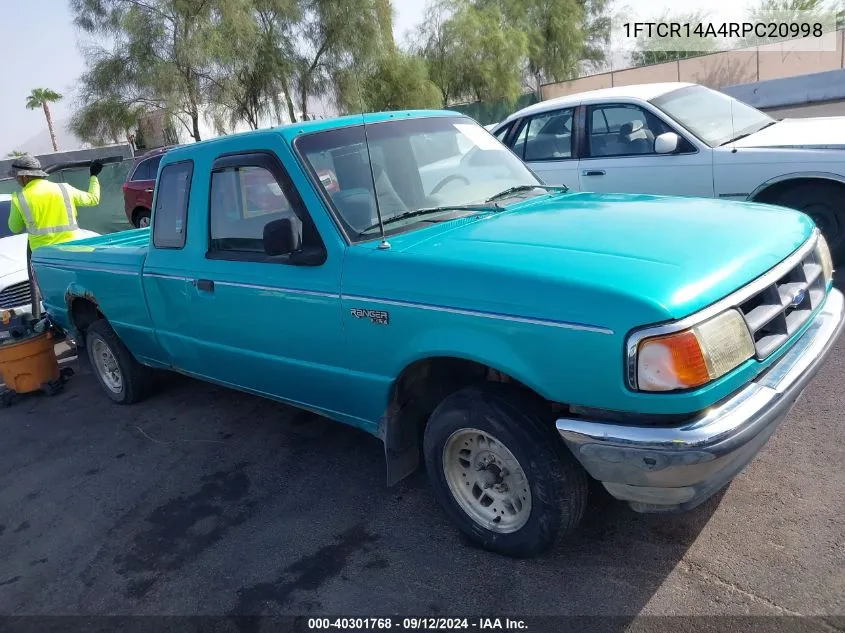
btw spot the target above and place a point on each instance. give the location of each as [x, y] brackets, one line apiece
[621, 130]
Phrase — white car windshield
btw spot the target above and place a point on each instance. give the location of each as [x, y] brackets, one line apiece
[416, 164]
[712, 116]
[5, 209]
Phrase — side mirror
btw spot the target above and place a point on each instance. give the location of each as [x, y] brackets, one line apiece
[282, 237]
[666, 143]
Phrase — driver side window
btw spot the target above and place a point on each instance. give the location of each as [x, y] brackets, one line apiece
[623, 130]
[546, 136]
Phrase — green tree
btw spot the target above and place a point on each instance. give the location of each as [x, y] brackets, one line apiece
[162, 53]
[435, 44]
[335, 38]
[42, 98]
[791, 11]
[473, 52]
[562, 35]
[656, 50]
[397, 80]
[15, 154]
[255, 64]
[107, 120]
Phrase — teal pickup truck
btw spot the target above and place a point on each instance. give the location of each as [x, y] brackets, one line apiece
[406, 274]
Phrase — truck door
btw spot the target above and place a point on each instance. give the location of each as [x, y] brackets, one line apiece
[268, 324]
[165, 279]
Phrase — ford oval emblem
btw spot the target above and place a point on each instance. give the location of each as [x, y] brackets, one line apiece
[798, 298]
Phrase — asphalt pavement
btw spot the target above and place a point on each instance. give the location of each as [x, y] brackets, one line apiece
[203, 500]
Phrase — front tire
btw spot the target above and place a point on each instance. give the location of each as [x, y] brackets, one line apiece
[123, 378]
[824, 202]
[500, 473]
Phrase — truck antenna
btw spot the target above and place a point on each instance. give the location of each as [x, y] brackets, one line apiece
[384, 243]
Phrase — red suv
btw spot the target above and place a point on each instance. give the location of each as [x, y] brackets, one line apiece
[139, 186]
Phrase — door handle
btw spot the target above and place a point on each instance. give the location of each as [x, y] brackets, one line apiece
[593, 172]
[204, 284]
[148, 190]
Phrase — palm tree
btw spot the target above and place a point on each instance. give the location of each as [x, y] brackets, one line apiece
[41, 98]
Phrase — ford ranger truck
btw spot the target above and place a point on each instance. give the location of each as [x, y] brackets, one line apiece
[407, 274]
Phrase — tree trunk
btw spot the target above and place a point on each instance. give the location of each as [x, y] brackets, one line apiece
[303, 97]
[195, 123]
[50, 126]
[291, 111]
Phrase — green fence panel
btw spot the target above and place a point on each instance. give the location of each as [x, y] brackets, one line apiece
[106, 217]
[487, 112]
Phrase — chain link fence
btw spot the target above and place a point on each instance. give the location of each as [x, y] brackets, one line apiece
[106, 217]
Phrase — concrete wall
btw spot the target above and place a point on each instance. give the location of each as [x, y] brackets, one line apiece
[718, 70]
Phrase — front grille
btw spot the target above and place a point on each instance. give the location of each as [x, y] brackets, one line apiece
[778, 310]
[15, 295]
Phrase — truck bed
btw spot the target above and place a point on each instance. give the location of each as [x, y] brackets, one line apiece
[104, 270]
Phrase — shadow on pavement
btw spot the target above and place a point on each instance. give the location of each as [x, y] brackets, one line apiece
[204, 500]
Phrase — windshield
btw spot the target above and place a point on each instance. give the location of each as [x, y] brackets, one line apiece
[712, 116]
[421, 163]
[5, 209]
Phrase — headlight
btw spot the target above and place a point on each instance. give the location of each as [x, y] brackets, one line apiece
[825, 260]
[695, 356]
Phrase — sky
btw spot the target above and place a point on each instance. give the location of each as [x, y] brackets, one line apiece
[44, 53]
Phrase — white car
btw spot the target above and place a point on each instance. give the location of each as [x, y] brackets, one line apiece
[14, 281]
[685, 139]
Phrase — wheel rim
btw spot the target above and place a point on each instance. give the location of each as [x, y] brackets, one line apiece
[828, 221]
[486, 480]
[144, 221]
[107, 367]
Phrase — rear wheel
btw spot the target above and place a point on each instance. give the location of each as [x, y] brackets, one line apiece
[824, 202]
[141, 217]
[500, 473]
[123, 378]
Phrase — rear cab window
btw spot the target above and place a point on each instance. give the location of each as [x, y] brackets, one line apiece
[170, 217]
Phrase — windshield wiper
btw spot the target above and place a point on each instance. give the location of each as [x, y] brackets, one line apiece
[429, 210]
[742, 136]
[518, 188]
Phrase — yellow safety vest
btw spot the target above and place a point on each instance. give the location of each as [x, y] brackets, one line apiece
[48, 210]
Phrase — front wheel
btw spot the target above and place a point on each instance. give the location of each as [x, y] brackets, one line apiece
[824, 202]
[500, 473]
[123, 378]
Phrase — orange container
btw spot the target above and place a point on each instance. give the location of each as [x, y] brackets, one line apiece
[27, 365]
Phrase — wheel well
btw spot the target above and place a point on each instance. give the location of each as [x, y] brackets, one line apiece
[83, 312]
[776, 190]
[413, 397]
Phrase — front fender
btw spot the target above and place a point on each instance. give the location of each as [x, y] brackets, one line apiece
[471, 344]
[797, 175]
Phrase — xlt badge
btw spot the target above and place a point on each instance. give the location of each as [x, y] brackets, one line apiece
[379, 317]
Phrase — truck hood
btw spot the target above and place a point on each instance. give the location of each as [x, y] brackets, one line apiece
[812, 133]
[12, 254]
[588, 257]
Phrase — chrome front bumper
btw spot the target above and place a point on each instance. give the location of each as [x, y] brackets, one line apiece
[659, 468]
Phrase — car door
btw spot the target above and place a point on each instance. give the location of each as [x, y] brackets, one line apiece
[545, 142]
[619, 156]
[269, 324]
[138, 189]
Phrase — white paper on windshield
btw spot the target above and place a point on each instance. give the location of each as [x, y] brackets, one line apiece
[478, 135]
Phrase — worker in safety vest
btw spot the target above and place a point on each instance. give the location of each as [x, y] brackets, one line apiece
[46, 210]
